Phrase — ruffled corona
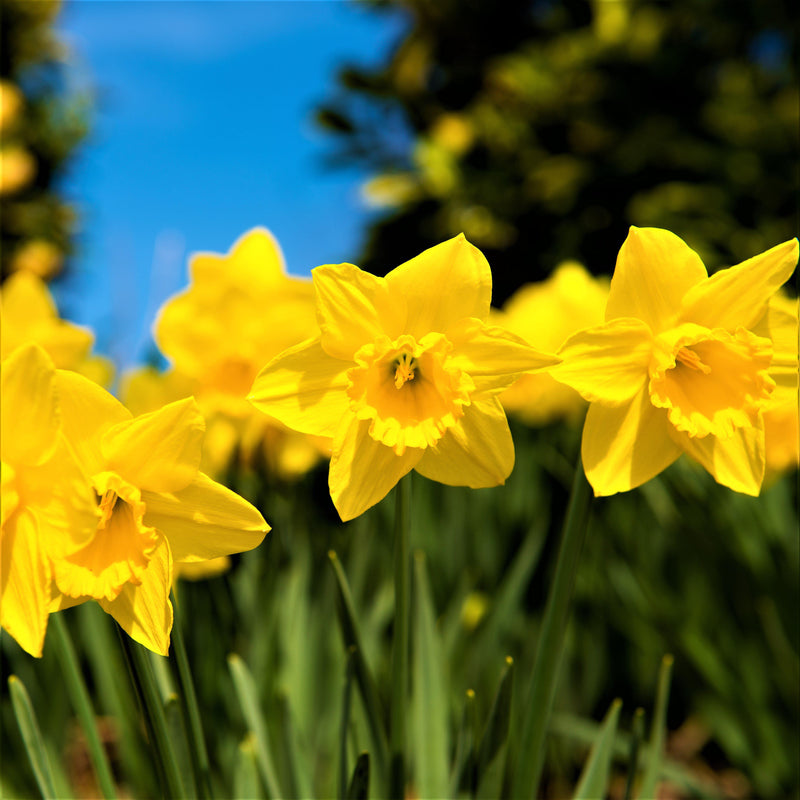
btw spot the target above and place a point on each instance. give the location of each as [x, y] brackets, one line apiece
[120, 550]
[408, 390]
[711, 382]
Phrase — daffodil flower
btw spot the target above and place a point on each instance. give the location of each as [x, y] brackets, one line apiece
[48, 509]
[404, 375]
[155, 508]
[680, 365]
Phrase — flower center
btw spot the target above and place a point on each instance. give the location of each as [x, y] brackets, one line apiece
[711, 382]
[408, 389]
[120, 549]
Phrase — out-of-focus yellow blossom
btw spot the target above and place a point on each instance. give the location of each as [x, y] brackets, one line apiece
[38, 256]
[17, 168]
[11, 104]
[544, 315]
[239, 311]
[156, 508]
[681, 364]
[404, 375]
[782, 416]
[28, 315]
[476, 604]
[48, 509]
[200, 570]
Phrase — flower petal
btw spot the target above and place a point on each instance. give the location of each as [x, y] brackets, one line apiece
[29, 410]
[144, 611]
[493, 357]
[736, 462]
[159, 451]
[477, 452]
[204, 520]
[363, 471]
[87, 411]
[738, 296]
[24, 583]
[353, 308]
[304, 388]
[442, 285]
[608, 363]
[625, 446]
[780, 324]
[655, 269]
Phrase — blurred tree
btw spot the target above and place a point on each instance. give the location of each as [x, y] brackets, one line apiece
[543, 129]
[40, 125]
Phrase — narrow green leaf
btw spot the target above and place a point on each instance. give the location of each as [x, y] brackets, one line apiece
[177, 733]
[345, 726]
[250, 705]
[31, 737]
[492, 750]
[364, 680]
[359, 783]
[657, 731]
[633, 758]
[430, 745]
[594, 777]
[463, 771]
[246, 783]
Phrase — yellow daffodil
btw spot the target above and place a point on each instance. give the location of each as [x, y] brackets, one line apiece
[29, 316]
[156, 508]
[545, 314]
[48, 509]
[403, 375]
[680, 365]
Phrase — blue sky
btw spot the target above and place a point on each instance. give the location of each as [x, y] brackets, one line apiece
[202, 130]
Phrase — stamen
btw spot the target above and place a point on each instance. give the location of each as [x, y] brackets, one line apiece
[106, 504]
[404, 369]
[690, 359]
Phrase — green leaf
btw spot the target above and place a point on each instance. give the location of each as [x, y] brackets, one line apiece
[463, 771]
[633, 758]
[431, 743]
[250, 705]
[246, 784]
[657, 732]
[31, 737]
[594, 777]
[359, 783]
[492, 750]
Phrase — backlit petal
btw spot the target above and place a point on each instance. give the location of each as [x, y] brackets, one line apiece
[736, 462]
[144, 611]
[29, 410]
[363, 471]
[87, 411]
[353, 308]
[493, 357]
[24, 583]
[159, 451]
[738, 296]
[780, 324]
[304, 388]
[477, 452]
[204, 520]
[625, 446]
[608, 363]
[443, 285]
[655, 269]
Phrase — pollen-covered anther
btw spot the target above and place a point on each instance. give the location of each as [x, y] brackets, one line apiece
[690, 359]
[404, 369]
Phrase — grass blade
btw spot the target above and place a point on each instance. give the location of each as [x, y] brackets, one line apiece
[492, 749]
[657, 731]
[594, 777]
[246, 783]
[463, 771]
[633, 758]
[359, 783]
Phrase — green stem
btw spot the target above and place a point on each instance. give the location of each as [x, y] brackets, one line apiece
[153, 710]
[402, 590]
[79, 696]
[531, 751]
[197, 744]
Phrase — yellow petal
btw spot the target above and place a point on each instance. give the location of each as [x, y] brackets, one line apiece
[144, 611]
[608, 363]
[304, 388]
[477, 452]
[780, 324]
[625, 446]
[29, 421]
[738, 297]
[24, 583]
[353, 308]
[655, 269]
[736, 462]
[493, 357]
[363, 471]
[443, 285]
[87, 411]
[205, 520]
[159, 451]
